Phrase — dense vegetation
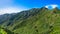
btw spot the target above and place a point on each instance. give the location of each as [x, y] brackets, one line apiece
[33, 21]
[5, 31]
[2, 31]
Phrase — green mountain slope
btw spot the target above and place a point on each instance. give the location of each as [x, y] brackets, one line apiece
[34, 21]
[5, 31]
[2, 31]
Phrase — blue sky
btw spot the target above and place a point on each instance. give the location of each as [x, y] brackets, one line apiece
[10, 6]
[36, 3]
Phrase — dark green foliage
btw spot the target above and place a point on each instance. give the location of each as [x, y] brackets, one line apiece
[8, 31]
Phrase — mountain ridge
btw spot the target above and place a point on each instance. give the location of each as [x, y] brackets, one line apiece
[33, 21]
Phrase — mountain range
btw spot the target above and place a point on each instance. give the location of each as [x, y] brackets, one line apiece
[33, 21]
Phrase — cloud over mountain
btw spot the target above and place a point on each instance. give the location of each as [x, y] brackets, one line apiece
[51, 6]
[10, 10]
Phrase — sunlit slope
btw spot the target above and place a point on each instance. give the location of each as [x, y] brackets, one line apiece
[45, 22]
[35, 21]
[2, 31]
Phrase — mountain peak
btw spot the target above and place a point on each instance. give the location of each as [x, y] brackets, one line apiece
[45, 7]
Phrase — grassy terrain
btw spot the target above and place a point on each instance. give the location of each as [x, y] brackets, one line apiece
[2, 31]
[34, 21]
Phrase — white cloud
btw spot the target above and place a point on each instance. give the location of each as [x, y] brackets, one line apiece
[7, 6]
[10, 10]
[46, 6]
[52, 6]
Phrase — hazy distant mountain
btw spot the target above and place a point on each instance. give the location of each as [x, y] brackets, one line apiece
[33, 21]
